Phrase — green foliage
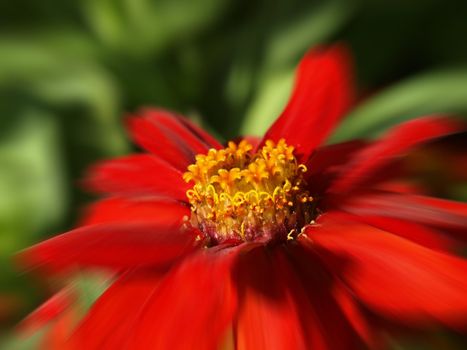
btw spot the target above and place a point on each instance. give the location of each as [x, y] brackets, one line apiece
[432, 93]
[275, 77]
[70, 70]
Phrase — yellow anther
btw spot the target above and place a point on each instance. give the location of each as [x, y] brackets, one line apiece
[237, 193]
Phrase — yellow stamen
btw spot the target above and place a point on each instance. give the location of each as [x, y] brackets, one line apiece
[238, 194]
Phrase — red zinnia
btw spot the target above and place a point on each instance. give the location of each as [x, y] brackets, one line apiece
[273, 243]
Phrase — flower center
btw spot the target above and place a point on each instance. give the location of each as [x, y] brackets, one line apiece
[239, 195]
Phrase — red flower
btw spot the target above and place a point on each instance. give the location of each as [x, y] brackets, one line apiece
[288, 244]
[59, 315]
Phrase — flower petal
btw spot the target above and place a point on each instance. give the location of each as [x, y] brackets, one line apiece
[313, 290]
[140, 174]
[135, 210]
[193, 306]
[357, 318]
[322, 95]
[114, 246]
[438, 213]
[268, 317]
[110, 322]
[397, 142]
[393, 276]
[170, 137]
[57, 335]
[203, 135]
[415, 232]
[48, 311]
[326, 162]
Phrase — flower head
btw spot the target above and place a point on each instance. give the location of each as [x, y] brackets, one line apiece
[272, 243]
[239, 195]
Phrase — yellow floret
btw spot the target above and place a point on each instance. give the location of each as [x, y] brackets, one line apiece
[237, 194]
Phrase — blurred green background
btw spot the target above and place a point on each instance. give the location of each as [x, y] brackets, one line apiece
[71, 70]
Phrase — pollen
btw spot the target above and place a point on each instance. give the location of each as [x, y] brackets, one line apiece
[242, 195]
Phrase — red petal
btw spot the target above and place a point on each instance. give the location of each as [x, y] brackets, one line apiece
[322, 95]
[456, 208]
[417, 233]
[399, 186]
[192, 308]
[209, 140]
[268, 317]
[393, 276]
[135, 210]
[397, 142]
[48, 311]
[56, 337]
[354, 314]
[109, 323]
[440, 213]
[326, 162]
[312, 289]
[114, 246]
[138, 175]
[170, 137]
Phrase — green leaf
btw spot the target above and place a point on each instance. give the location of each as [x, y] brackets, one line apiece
[289, 41]
[89, 286]
[269, 102]
[33, 194]
[307, 29]
[91, 88]
[15, 342]
[139, 27]
[431, 93]
[41, 69]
